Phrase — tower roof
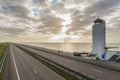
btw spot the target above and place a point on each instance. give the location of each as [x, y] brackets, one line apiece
[98, 20]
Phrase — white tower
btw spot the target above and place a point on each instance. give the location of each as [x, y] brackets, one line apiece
[98, 38]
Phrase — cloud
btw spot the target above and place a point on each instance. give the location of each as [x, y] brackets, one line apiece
[102, 7]
[41, 2]
[18, 11]
[98, 8]
[59, 8]
[50, 24]
[13, 31]
[112, 35]
[20, 16]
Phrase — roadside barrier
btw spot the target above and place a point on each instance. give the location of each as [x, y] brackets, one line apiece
[103, 64]
[79, 75]
[3, 60]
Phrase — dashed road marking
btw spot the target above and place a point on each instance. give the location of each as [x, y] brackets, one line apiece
[97, 70]
[35, 71]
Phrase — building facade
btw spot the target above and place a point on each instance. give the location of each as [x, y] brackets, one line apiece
[98, 38]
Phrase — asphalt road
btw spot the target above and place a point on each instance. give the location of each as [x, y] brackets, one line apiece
[96, 71]
[21, 66]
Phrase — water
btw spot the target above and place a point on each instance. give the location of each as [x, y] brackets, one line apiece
[71, 47]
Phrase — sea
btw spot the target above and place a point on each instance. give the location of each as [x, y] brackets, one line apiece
[72, 47]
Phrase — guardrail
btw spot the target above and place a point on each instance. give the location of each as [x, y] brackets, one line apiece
[93, 62]
[79, 75]
[3, 60]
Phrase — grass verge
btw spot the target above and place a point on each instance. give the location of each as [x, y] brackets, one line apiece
[3, 47]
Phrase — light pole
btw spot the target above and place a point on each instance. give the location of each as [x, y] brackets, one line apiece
[64, 44]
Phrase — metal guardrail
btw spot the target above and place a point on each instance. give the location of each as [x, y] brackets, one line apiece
[74, 72]
[60, 67]
[97, 63]
[3, 60]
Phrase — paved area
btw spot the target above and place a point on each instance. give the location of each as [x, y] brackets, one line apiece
[96, 71]
[21, 66]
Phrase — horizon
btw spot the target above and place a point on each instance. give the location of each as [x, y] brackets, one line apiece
[60, 42]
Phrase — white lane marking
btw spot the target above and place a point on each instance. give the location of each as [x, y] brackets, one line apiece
[15, 65]
[35, 71]
[97, 70]
[68, 60]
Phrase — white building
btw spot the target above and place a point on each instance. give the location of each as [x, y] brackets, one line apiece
[110, 54]
[98, 38]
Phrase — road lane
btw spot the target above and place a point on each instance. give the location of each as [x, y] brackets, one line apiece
[99, 72]
[18, 77]
[24, 67]
[9, 72]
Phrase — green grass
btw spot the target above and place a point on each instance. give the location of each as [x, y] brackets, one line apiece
[55, 69]
[3, 47]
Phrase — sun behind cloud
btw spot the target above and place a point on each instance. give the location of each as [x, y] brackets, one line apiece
[53, 20]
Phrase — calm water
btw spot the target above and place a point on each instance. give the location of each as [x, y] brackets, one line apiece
[71, 47]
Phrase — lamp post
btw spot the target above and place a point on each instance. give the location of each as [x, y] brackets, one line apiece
[64, 44]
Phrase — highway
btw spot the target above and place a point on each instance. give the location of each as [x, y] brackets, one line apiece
[21, 66]
[99, 72]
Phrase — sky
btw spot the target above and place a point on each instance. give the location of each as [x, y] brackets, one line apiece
[57, 20]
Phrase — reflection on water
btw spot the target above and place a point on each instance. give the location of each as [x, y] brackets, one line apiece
[71, 47]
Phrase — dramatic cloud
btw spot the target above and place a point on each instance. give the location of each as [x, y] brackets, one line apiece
[16, 11]
[51, 24]
[102, 7]
[58, 18]
[12, 31]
